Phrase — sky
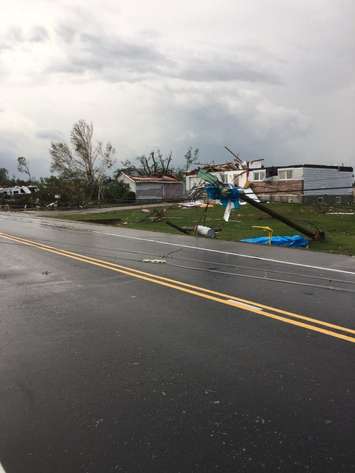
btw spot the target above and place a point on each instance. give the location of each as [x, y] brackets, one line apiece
[272, 79]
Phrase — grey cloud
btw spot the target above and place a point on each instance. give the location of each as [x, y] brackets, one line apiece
[210, 123]
[219, 70]
[11, 38]
[49, 135]
[119, 59]
[66, 32]
[38, 34]
[111, 57]
[8, 160]
[15, 37]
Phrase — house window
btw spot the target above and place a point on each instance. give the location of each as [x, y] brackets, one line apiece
[285, 174]
[258, 175]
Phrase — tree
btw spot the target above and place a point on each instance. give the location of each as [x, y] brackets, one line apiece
[191, 157]
[4, 176]
[84, 159]
[67, 192]
[155, 164]
[23, 166]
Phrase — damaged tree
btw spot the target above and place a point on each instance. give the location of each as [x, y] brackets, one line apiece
[84, 159]
[155, 164]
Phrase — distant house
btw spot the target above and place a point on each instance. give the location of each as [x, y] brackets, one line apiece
[297, 183]
[154, 188]
[303, 183]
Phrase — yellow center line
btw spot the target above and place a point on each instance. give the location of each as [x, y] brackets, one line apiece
[226, 299]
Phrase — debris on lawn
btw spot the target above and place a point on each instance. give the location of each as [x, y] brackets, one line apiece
[187, 205]
[147, 211]
[157, 215]
[196, 204]
[205, 231]
[340, 213]
[294, 241]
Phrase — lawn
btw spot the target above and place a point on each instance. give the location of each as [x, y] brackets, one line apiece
[340, 229]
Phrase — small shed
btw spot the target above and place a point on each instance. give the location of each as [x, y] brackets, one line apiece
[153, 187]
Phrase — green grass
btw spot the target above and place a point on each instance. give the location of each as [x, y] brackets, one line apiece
[340, 229]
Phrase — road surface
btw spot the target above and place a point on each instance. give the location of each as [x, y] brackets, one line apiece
[217, 357]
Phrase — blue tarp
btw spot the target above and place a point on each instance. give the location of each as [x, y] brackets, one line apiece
[295, 241]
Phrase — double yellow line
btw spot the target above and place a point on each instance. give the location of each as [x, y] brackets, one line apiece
[302, 321]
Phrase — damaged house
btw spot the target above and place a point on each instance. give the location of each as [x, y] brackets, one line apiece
[295, 184]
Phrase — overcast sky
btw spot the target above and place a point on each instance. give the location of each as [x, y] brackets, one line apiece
[270, 78]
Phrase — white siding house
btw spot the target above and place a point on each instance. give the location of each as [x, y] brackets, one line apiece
[153, 187]
[302, 183]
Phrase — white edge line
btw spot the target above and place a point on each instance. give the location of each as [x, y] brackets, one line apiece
[2, 469]
[241, 255]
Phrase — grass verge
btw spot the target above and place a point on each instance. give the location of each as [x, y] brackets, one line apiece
[340, 229]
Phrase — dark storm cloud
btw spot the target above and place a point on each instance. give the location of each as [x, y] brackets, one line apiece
[251, 129]
[114, 59]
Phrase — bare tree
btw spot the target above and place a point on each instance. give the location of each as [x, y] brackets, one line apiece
[85, 159]
[155, 164]
[191, 157]
[23, 166]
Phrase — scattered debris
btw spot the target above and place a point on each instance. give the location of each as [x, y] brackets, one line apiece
[98, 422]
[205, 231]
[340, 213]
[157, 215]
[154, 260]
[52, 205]
[147, 211]
[196, 203]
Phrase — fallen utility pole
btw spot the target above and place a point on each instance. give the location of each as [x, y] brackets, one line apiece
[317, 235]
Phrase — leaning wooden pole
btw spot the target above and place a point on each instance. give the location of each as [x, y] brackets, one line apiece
[316, 235]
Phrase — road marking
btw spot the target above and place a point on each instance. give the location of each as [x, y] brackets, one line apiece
[2, 470]
[241, 255]
[204, 293]
[245, 306]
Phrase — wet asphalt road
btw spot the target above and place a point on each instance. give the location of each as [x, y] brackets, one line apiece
[104, 372]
